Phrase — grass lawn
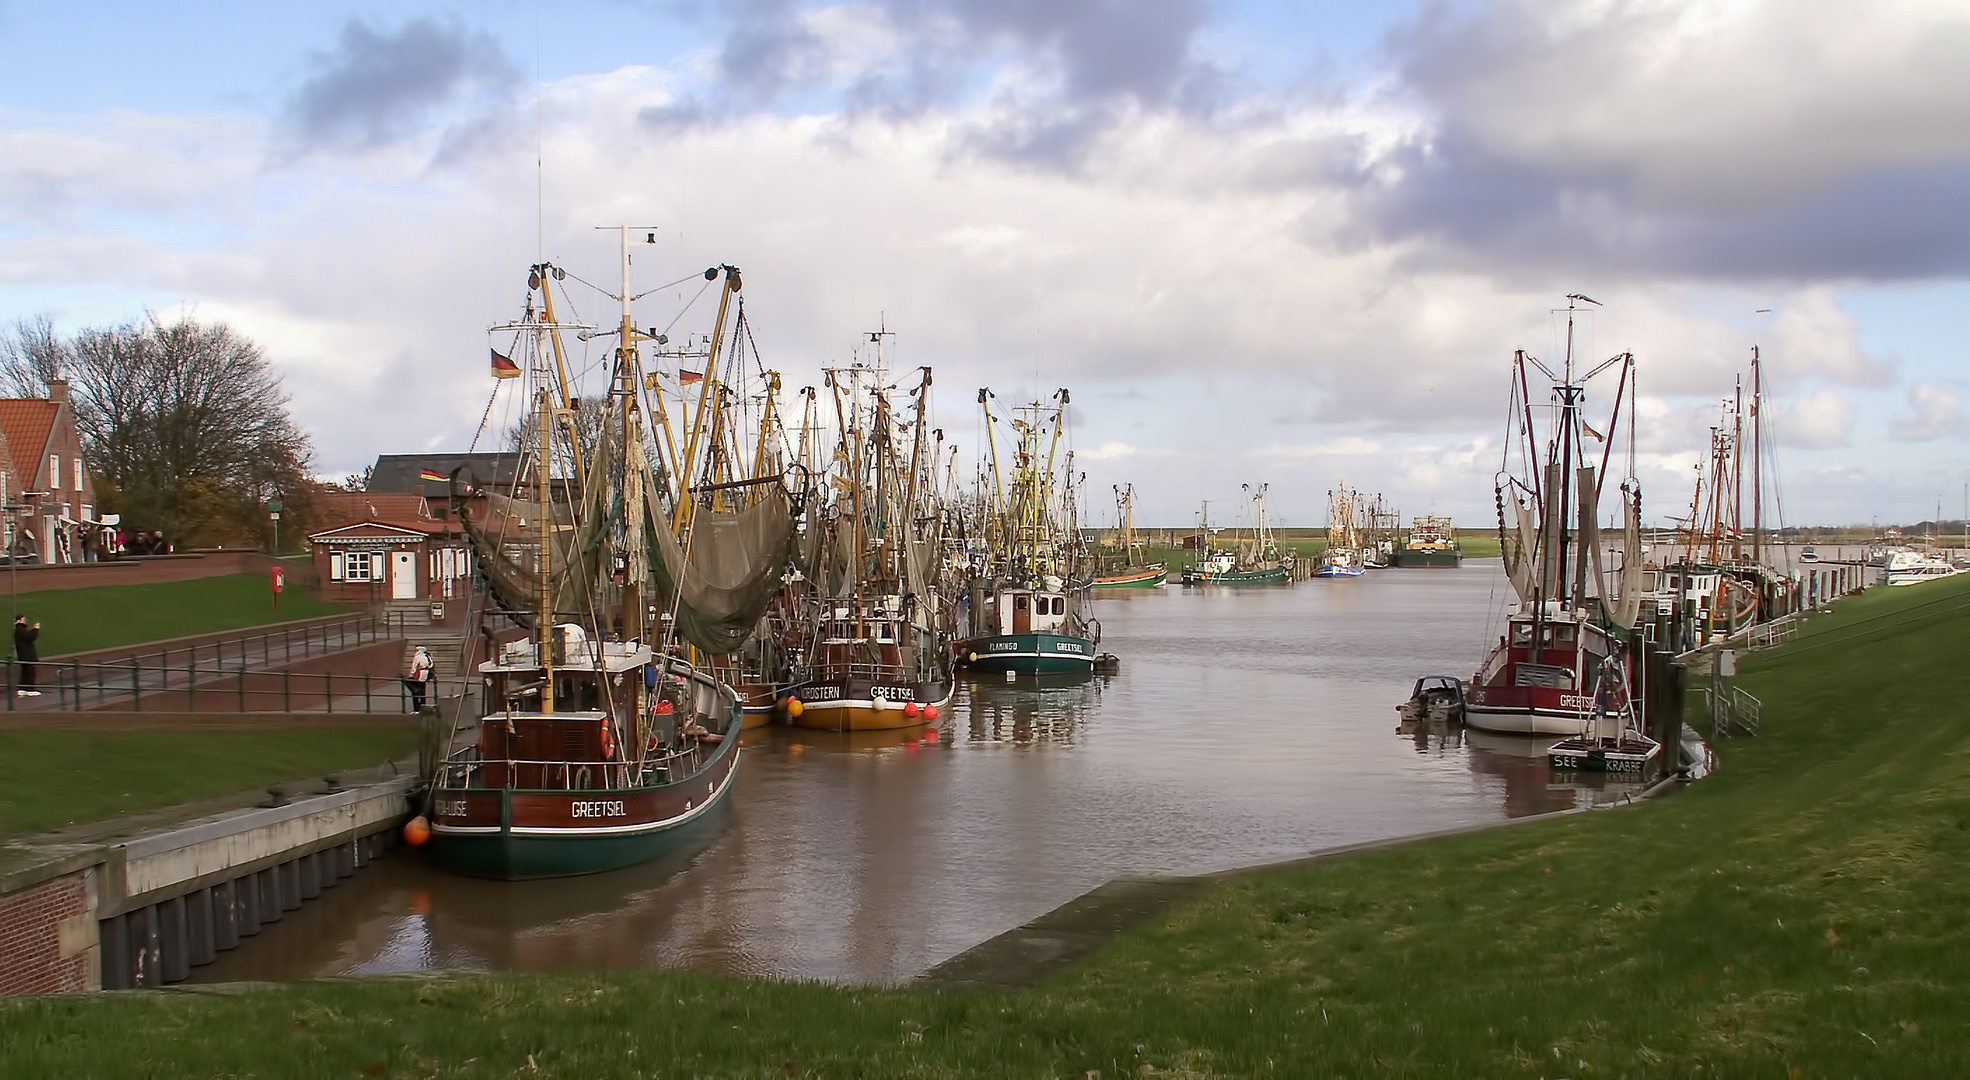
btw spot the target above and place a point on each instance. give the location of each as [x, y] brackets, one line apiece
[77, 620]
[49, 779]
[1805, 912]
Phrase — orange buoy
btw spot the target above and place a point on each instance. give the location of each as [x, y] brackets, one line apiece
[608, 740]
[417, 831]
[930, 713]
[795, 708]
[910, 710]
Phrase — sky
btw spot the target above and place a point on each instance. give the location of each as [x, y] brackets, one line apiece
[1289, 244]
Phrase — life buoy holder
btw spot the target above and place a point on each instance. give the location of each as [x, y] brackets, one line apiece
[608, 739]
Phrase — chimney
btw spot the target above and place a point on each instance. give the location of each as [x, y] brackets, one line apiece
[58, 390]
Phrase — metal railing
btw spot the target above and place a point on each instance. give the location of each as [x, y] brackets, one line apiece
[192, 688]
[245, 657]
[1774, 633]
[1741, 710]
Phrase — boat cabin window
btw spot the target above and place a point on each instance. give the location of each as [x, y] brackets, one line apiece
[1543, 675]
[1019, 603]
[1648, 580]
[1522, 633]
[1560, 634]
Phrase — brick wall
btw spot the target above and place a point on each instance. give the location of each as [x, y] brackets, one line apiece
[48, 937]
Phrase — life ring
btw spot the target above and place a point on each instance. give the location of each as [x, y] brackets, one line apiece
[608, 739]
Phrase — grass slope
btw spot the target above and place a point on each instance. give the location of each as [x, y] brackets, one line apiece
[77, 620]
[50, 779]
[1803, 913]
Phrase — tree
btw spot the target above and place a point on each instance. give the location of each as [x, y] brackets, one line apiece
[184, 422]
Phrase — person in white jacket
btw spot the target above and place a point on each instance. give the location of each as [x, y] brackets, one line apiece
[419, 679]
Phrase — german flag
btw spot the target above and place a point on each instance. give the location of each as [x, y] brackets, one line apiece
[503, 367]
[433, 476]
[688, 377]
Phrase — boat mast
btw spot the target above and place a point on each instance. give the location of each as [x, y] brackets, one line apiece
[1757, 471]
[544, 525]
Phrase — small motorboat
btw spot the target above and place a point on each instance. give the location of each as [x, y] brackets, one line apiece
[1437, 699]
[1809, 554]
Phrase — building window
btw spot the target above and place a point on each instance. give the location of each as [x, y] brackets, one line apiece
[88, 512]
[356, 567]
[54, 472]
[78, 474]
[335, 566]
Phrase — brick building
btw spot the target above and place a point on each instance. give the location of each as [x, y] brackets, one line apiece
[43, 474]
[376, 547]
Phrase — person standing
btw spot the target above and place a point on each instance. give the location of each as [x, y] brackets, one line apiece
[27, 655]
[419, 678]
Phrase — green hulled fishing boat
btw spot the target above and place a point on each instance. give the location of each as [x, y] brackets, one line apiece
[597, 743]
[1254, 558]
[1026, 609]
[1432, 542]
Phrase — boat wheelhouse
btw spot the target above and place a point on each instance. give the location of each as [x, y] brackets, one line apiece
[1543, 675]
[1033, 631]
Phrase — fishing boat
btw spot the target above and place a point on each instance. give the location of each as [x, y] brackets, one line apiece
[1254, 557]
[598, 741]
[1343, 556]
[1716, 584]
[1133, 572]
[1570, 643]
[1027, 609]
[880, 635]
[1612, 738]
[1432, 542]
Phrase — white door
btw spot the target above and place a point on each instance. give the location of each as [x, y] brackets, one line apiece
[403, 575]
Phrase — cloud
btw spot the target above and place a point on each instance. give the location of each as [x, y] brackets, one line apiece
[1110, 449]
[1820, 420]
[1761, 138]
[1813, 336]
[375, 87]
[1936, 412]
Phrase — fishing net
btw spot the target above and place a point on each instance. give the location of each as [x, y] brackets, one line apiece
[723, 585]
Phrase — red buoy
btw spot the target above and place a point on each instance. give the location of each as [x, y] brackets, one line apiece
[930, 713]
[910, 710]
[417, 831]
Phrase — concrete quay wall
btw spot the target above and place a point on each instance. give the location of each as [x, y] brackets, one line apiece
[144, 910]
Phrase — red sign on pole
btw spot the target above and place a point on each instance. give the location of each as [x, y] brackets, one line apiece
[278, 579]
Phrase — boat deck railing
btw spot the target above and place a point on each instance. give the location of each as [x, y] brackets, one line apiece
[466, 771]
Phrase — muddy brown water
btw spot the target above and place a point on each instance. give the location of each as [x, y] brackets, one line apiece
[1246, 726]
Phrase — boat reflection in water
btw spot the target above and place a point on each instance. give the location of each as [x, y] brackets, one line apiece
[1031, 708]
[1532, 785]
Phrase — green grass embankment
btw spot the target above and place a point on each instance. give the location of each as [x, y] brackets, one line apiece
[51, 779]
[1803, 913]
[78, 620]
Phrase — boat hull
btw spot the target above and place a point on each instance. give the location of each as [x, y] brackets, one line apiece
[1275, 575]
[1526, 710]
[862, 705]
[1142, 579]
[1030, 654]
[1629, 755]
[514, 835]
[1407, 557]
[1338, 571]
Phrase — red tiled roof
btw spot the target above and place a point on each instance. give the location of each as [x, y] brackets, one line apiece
[26, 422]
[340, 509]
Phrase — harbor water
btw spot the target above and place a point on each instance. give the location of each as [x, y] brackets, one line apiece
[1246, 726]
